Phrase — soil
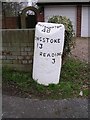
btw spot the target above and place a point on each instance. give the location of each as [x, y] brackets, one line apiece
[12, 89]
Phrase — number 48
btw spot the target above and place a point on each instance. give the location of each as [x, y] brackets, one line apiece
[46, 29]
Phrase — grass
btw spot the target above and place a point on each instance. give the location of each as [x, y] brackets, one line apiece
[74, 78]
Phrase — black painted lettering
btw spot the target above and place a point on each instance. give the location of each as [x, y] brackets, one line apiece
[52, 54]
[36, 38]
[58, 26]
[48, 30]
[55, 41]
[58, 40]
[51, 41]
[37, 45]
[52, 27]
[40, 53]
[53, 61]
[58, 54]
[40, 38]
[48, 55]
[43, 39]
[40, 46]
[47, 40]
[44, 30]
[44, 54]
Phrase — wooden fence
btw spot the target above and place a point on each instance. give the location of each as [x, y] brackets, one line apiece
[17, 48]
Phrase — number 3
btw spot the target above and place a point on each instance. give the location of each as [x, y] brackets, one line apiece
[53, 61]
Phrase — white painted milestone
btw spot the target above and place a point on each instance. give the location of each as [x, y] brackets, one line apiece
[48, 49]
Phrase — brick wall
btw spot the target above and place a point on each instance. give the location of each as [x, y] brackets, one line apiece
[17, 49]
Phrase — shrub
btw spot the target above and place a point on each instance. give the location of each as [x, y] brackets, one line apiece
[69, 42]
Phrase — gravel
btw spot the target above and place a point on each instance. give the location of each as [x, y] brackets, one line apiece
[81, 49]
[15, 107]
